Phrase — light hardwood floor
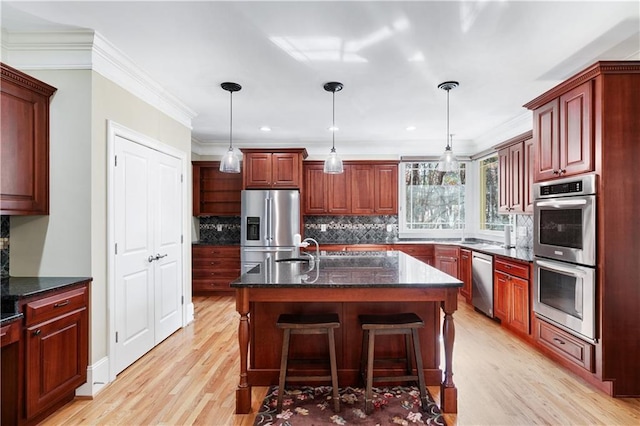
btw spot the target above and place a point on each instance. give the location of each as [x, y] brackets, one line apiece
[191, 378]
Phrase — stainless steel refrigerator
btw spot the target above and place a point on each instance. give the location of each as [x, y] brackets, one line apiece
[270, 219]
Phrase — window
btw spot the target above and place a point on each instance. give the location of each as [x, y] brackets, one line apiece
[434, 200]
[490, 219]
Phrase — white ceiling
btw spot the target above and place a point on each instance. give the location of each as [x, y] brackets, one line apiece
[390, 56]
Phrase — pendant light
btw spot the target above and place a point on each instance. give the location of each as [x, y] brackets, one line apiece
[230, 162]
[448, 161]
[333, 164]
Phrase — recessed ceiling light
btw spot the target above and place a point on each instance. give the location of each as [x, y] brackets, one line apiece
[410, 128]
[265, 128]
[333, 128]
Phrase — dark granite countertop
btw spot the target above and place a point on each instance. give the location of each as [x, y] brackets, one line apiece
[9, 317]
[15, 288]
[340, 270]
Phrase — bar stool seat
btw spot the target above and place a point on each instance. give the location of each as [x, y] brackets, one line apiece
[406, 324]
[308, 324]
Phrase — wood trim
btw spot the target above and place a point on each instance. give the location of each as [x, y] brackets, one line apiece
[600, 67]
[514, 140]
[19, 78]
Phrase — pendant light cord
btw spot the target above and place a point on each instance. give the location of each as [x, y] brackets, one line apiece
[448, 147]
[230, 120]
[333, 124]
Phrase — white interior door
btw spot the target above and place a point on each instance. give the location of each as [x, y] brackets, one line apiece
[148, 265]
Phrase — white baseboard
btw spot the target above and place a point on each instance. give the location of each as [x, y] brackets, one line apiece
[97, 378]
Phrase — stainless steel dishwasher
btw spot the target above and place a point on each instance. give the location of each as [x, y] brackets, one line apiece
[482, 282]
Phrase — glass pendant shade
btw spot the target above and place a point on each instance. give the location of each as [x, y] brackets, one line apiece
[230, 162]
[448, 161]
[333, 163]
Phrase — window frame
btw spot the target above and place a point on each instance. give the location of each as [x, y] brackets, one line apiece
[403, 232]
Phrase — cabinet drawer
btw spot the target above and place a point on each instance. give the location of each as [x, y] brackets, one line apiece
[10, 333]
[564, 344]
[511, 268]
[56, 305]
[446, 251]
[216, 264]
[211, 285]
[415, 250]
[215, 252]
[230, 274]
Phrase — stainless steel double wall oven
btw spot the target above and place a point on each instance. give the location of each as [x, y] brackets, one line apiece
[565, 253]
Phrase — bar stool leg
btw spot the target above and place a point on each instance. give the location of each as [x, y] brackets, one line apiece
[408, 351]
[368, 396]
[283, 367]
[420, 372]
[334, 370]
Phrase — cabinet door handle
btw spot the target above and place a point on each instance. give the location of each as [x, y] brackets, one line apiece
[61, 304]
[556, 172]
[37, 332]
[563, 171]
[559, 341]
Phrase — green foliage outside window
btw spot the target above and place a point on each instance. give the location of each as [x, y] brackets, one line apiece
[490, 219]
[434, 199]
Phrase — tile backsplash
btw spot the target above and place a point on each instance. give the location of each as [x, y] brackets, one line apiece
[524, 222]
[4, 245]
[352, 229]
[220, 229]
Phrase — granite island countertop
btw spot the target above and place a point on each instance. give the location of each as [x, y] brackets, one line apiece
[346, 270]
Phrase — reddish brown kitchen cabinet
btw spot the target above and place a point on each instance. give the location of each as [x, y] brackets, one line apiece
[339, 199]
[512, 294]
[465, 274]
[215, 193]
[24, 144]
[446, 259]
[315, 189]
[514, 159]
[386, 189]
[613, 110]
[562, 133]
[214, 267]
[529, 166]
[364, 188]
[56, 349]
[281, 168]
[423, 252]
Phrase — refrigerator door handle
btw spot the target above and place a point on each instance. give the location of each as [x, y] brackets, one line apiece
[267, 221]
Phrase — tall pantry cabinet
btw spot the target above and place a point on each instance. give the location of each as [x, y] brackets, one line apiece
[591, 123]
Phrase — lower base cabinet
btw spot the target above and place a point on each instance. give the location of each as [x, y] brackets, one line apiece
[446, 259]
[44, 366]
[564, 345]
[466, 274]
[511, 294]
[214, 267]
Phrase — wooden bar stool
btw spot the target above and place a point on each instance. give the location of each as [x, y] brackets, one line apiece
[308, 324]
[375, 325]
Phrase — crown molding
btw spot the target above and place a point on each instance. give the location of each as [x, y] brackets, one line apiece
[88, 50]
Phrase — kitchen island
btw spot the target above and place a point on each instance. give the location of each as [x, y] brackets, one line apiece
[348, 284]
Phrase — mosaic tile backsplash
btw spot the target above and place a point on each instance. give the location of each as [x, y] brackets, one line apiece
[4, 245]
[352, 229]
[338, 229]
[220, 230]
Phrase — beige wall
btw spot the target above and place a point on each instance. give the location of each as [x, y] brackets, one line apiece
[72, 240]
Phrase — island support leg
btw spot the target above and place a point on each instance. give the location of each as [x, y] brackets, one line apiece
[243, 392]
[448, 390]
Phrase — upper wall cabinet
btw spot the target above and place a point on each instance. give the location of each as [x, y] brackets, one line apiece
[563, 134]
[215, 193]
[24, 144]
[516, 158]
[273, 168]
[365, 188]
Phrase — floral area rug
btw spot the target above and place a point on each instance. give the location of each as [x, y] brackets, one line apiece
[306, 406]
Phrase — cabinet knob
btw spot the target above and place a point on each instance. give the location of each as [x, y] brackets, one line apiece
[563, 171]
[556, 172]
[37, 332]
